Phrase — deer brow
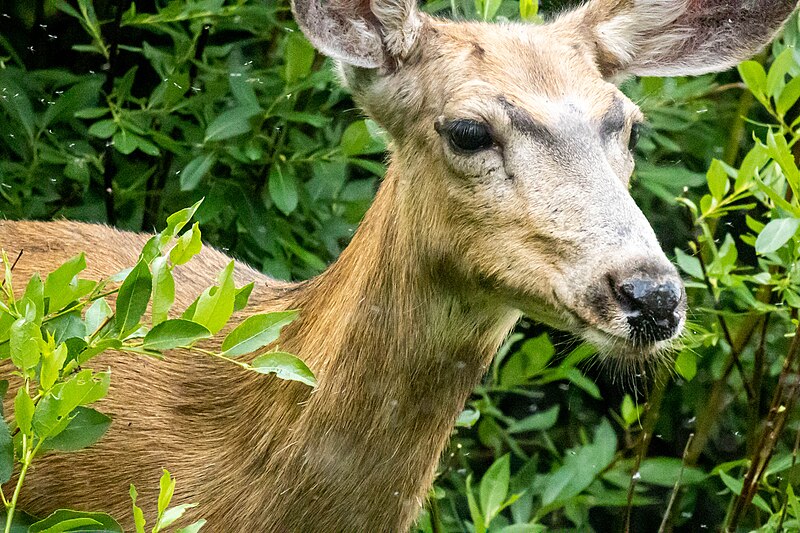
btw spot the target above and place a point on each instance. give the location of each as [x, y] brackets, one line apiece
[614, 119]
[522, 121]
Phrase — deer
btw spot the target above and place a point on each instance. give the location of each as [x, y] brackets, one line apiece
[506, 194]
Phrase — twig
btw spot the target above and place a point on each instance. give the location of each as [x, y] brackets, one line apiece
[673, 497]
[782, 402]
[786, 493]
[724, 325]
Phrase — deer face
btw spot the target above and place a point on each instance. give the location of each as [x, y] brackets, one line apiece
[514, 147]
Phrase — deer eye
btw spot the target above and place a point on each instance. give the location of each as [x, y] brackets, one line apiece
[468, 135]
[636, 132]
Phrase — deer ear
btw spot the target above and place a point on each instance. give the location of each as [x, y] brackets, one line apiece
[677, 37]
[362, 33]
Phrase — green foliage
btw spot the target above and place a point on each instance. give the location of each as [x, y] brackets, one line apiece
[56, 327]
[179, 113]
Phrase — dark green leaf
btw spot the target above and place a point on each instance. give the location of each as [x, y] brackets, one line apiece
[86, 427]
[67, 520]
[174, 333]
[256, 332]
[231, 123]
[134, 294]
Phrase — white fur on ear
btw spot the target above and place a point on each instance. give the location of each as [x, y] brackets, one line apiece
[362, 33]
[676, 37]
[401, 24]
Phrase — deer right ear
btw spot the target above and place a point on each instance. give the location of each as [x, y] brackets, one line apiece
[361, 33]
[675, 37]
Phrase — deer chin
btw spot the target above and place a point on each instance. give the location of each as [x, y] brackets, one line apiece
[612, 340]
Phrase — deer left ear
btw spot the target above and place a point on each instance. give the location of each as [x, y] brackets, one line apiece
[676, 37]
[362, 33]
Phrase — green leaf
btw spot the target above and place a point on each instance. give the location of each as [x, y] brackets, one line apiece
[189, 245]
[97, 315]
[494, 488]
[125, 142]
[474, 510]
[62, 286]
[166, 489]
[581, 466]
[173, 514]
[689, 264]
[174, 333]
[467, 418]
[68, 520]
[92, 112]
[283, 188]
[528, 9]
[718, 182]
[487, 9]
[52, 362]
[85, 428]
[788, 96]
[299, 57]
[285, 366]
[754, 75]
[138, 515]
[6, 448]
[686, 364]
[630, 412]
[163, 290]
[242, 296]
[192, 528]
[215, 305]
[52, 411]
[357, 140]
[178, 220]
[777, 71]
[532, 357]
[24, 342]
[34, 294]
[134, 295]
[195, 171]
[776, 234]
[23, 411]
[103, 129]
[538, 422]
[6, 453]
[256, 332]
[665, 471]
[231, 123]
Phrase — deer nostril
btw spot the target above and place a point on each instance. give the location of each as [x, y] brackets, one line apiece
[651, 307]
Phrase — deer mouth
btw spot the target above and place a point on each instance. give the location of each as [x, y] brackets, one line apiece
[617, 337]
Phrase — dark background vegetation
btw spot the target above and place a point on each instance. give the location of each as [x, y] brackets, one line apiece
[120, 113]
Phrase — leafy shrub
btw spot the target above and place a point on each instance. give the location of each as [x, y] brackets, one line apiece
[61, 322]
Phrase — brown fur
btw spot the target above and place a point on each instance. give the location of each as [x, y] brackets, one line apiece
[402, 326]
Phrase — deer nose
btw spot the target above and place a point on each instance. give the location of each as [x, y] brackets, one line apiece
[653, 308]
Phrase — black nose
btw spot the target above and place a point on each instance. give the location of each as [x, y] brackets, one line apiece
[651, 307]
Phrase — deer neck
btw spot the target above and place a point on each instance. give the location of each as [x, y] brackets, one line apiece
[397, 344]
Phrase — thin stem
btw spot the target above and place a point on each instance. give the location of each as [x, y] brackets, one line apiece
[726, 331]
[782, 402]
[26, 463]
[674, 496]
[786, 493]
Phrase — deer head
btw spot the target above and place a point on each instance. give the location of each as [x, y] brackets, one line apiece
[512, 145]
